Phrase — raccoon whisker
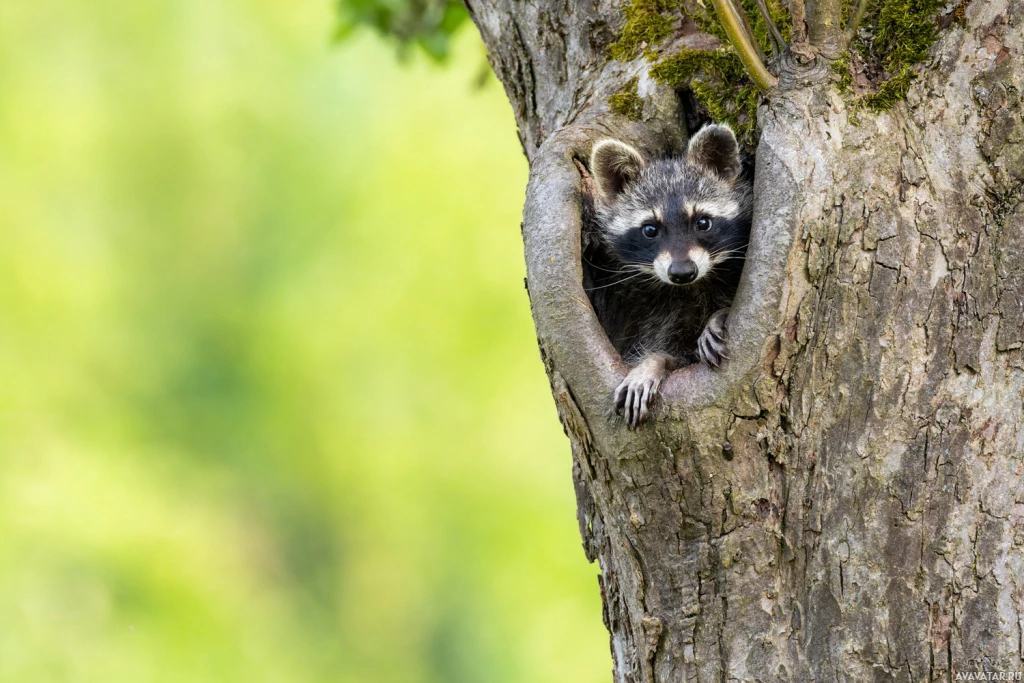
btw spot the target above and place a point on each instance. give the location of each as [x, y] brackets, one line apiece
[617, 282]
[729, 252]
[620, 271]
[717, 276]
[652, 280]
[638, 266]
[644, 271]
[607, 270]
[732, 254]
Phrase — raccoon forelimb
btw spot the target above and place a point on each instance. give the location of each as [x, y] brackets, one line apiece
[636, 393]
[711, 346]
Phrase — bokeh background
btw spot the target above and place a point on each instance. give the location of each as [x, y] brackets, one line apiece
[271, 407]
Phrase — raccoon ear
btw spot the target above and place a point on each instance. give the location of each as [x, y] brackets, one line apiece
[614, 165]
[715, 147]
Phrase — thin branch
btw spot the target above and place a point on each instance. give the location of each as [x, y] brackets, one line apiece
[737, 7]
[747, 52]
[778, 42]
[858, 16]
[824, 30]
[799, 12]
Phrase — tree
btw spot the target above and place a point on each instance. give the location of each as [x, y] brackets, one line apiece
[844, 499]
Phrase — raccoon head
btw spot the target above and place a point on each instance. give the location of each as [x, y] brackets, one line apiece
[674, 218]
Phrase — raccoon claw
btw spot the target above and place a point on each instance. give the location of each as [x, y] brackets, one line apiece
[634, 397]
[711, 346]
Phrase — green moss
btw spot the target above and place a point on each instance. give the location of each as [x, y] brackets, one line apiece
[895, 36]
[890, 92]
[627, 102]
[735, 106]
[841, 68]
[846, 11]
[716, 78]
[707, 21]
[780, 17]
[650, 21]
[905, 32]
[678, 70]
[647, 22]
[719, 82]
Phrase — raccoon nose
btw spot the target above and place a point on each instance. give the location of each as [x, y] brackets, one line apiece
[682, 272]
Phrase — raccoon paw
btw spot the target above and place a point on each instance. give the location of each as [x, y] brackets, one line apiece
[634, 397]
[711, 345]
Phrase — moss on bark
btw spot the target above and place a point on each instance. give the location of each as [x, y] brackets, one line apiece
[719, 83]
[627, 102]
[647, 22]
[894, 38]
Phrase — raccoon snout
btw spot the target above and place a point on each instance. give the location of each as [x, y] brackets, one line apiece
[682, 272]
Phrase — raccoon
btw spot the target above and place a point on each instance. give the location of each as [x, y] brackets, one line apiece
[671, 237]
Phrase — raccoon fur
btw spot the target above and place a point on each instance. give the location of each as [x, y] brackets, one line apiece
[664, 256]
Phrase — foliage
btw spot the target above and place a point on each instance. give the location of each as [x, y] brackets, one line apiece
[271, 407]
[428, 24]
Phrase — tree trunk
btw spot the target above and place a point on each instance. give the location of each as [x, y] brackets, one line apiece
[843, 500]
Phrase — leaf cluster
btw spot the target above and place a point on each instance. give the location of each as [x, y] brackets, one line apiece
[428, 24]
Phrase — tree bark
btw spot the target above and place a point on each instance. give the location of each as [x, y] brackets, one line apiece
[844, 500]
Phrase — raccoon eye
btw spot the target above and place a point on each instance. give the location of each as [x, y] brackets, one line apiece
[650, 231]
[704, 224]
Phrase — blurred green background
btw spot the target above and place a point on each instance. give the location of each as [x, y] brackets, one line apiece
[271, 407]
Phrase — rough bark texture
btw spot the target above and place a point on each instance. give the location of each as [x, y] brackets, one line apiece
[844, 500]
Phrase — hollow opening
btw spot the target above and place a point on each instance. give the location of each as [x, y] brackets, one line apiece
[641, 246]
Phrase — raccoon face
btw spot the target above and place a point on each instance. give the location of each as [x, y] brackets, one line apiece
[676, 219]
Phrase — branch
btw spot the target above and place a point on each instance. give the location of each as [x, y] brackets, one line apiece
[749, 53]
[858, 16]
[824, 31]
[778, 42]
[799, 12]
[748, 29]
